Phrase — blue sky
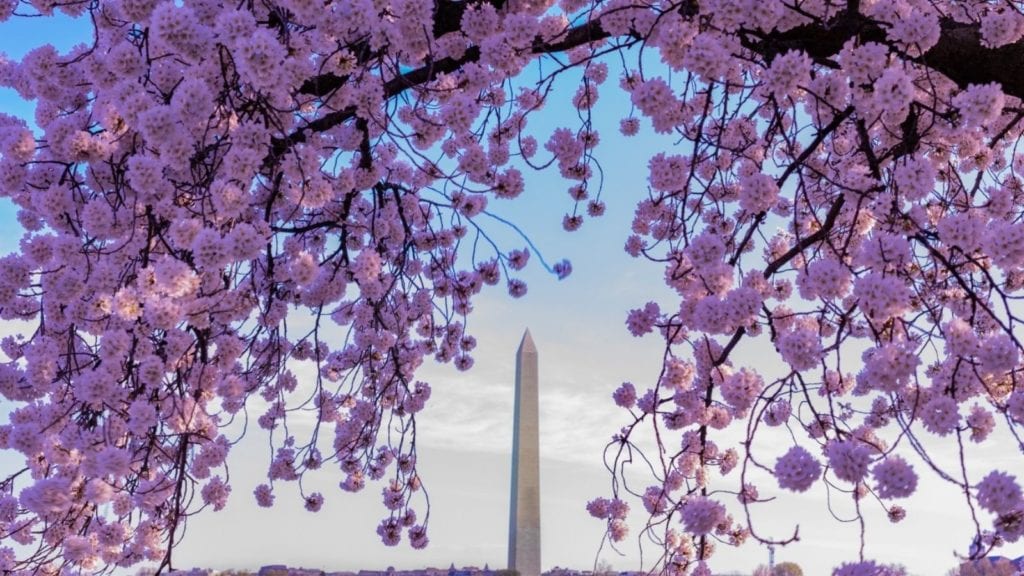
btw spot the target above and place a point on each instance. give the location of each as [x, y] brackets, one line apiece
[465, 433]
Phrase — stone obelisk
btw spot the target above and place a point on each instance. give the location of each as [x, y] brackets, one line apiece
[524, 512]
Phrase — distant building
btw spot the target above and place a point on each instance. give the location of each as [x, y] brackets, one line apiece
[282, 570]
[557, 571]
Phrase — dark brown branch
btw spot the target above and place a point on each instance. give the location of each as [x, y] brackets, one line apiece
[959, 55]
[819, 234]
[578, 36]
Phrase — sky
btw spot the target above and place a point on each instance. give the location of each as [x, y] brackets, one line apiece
[465, 434]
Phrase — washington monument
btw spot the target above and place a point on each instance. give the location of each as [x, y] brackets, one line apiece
[524, 511]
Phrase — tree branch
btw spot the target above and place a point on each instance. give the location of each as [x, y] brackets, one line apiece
[959, 55]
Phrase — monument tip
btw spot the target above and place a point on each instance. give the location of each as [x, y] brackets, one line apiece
[527, 344]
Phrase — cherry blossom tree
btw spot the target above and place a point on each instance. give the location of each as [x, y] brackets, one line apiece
[985, 567]
[212, 187]
[787, 569]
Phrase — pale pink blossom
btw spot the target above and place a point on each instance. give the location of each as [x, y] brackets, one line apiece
[701, 515]
[849, 459]
[999, 492]
[797, 470]
[895, 477]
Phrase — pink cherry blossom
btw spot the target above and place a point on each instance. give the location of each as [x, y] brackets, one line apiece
[797, 470]
[849, 460]
[999, 492]
[701, 515]
[895, 478]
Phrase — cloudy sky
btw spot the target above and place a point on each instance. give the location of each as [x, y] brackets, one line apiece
[465, 433]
